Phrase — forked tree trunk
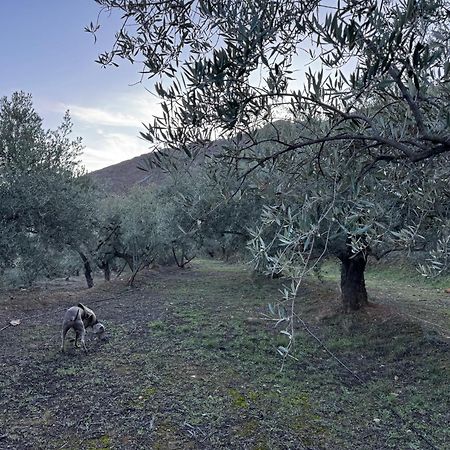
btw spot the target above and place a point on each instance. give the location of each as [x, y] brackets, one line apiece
[127, 258]
[183, 260]
[353, 284]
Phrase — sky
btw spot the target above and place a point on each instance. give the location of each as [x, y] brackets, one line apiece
[45, 51]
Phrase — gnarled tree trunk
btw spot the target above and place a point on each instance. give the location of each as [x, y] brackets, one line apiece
[183, 260]
[353, 284]
[87, 269]
[106, 270]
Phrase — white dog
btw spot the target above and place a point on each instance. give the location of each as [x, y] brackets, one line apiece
[79, 318]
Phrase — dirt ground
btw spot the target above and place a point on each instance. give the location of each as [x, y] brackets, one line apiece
[189, 363]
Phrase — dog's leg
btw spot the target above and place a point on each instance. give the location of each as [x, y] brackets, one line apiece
[65, 329]
[83, 343]
[81, 335]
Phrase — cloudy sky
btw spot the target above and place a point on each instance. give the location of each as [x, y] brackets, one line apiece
[44, 51]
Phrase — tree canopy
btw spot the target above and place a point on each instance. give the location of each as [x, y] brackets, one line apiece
[359, 162]
[44, 203]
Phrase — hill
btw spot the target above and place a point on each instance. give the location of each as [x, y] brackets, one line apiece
[120, 178]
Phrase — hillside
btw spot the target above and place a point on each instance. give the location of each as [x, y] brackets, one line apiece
[120, 178]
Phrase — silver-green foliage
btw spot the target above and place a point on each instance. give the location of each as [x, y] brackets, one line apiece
[189, 215]
[138, 230]
[45, 206]
[213, 212]
[359, 166]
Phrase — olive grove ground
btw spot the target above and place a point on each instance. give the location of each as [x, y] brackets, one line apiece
[189, 363]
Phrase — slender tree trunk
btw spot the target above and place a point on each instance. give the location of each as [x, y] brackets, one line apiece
[138, 268]
[353, 284]
[107, 271]
[132, 277]
[174, 253]
[87, 269]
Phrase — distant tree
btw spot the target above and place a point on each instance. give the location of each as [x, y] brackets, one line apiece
[174, 222]
[135, 229]
[206, 217]
[363, 162]
[45, 203]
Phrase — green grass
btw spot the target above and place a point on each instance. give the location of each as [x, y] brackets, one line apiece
[212, 327]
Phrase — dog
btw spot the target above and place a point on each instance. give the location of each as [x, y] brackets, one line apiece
[79, 318]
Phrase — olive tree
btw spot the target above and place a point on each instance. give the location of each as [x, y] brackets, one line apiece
[211, 212]
[45, 202]
[135, 228]
[364, 166]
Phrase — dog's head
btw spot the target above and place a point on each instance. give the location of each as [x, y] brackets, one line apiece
[98, 328]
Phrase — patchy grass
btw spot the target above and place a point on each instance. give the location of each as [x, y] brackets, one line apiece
[190, 364]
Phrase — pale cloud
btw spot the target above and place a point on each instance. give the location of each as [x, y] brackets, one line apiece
[111, 148]
[124, 111]
[111, 128]
[97, 116]
[144, 105]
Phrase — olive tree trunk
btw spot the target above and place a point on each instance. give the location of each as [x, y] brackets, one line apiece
[353, 284]
[87, 269]
[106, 268]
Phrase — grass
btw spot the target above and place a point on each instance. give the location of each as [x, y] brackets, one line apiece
[191, 364]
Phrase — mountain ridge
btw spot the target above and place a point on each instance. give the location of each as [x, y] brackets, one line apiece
[120, 178]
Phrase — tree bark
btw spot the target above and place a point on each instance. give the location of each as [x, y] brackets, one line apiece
[87, 269]
[107, 271]
[183, 261]
[353, 284]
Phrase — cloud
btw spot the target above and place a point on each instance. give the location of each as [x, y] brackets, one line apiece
[126, 110]
[111, 148]
[110, 127]
[97, 116]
